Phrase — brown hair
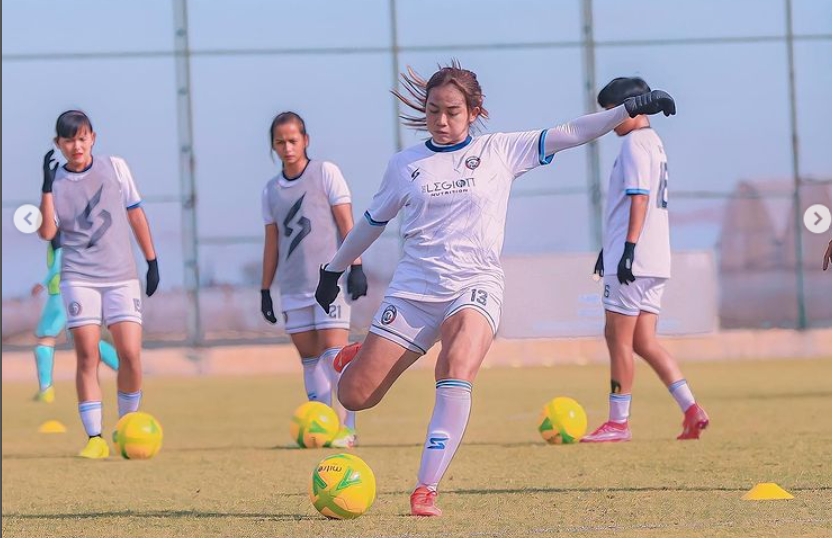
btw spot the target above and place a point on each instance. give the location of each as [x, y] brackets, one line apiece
[281, 119]
[418, 89]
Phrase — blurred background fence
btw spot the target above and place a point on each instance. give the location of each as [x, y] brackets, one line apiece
[185, 91]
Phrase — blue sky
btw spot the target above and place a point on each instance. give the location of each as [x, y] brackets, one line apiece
[733, 121]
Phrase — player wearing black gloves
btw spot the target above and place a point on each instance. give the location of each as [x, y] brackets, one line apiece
[636, 215]
[307, 212]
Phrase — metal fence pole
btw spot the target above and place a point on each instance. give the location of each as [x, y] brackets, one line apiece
[593, 157]
[187, 183]
[802, 322]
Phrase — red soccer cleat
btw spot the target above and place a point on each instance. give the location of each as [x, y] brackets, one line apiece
[423, 503]
[610, 432]
[345, 356]
[696, 420]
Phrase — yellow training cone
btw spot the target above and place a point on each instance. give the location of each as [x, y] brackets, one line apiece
[767, 491]
[52, 426]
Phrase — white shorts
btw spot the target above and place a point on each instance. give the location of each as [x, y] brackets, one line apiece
[89, 305]
[643, 295]
[313, 318]
[415, 325]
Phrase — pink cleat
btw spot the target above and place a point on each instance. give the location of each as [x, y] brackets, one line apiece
[345, 356]
[423, 503]
[610, 432]
[696, 420]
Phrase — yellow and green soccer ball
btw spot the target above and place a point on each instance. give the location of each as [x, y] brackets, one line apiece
[314, 425]
[563, 421]
[342, 487]
[138, 436]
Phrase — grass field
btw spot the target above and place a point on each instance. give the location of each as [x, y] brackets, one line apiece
[226, 469]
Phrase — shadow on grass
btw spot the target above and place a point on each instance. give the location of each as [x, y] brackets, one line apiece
[167, 514]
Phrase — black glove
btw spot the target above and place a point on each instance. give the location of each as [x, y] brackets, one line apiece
[48, 171]
[625, 266]
[152, 277]
[650, 103]
[357, 282]
[599, 264]
[327, 288]
[266, 306]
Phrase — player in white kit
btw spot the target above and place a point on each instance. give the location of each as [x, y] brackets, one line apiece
[307, 212]
[636, 214]
[452, 191]
[94, 203]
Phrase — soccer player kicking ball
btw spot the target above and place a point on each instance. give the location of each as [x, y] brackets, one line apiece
[637, 245]
[453, 192]
[94, 203]
[307, 211]
[52, 321]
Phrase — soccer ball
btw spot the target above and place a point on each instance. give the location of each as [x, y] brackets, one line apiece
[563, 421]
[138, 436]
[314, 425]
[342, 487]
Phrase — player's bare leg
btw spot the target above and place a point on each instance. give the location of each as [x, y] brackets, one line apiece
[127, 337]
[86, 340]
[647, 346]
[466, 338]
[619, 332]
[372, 372]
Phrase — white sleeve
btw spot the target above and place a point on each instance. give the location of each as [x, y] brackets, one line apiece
[581, 130]
[521, 151]
[265, 209]
[362, 235]
[389, 199]
[636, 167]
[130, 193]
[335, 185]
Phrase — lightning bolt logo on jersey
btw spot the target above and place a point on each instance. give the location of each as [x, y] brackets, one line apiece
[303, 225]
[301, 208]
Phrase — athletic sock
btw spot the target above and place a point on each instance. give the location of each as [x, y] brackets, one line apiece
[682, 394]
[620, 407]
[108, 354]
[128, 402]
[327, 362]
[44, 361]
[316, 381]
[447, 426]
[91, 417]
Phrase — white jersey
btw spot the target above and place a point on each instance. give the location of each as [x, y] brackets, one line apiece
[91, 215]
[455, 200]
[307, 235]
[641, 168]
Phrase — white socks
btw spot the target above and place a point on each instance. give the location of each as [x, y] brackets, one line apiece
[682, 394]
[128, 402]
[447, 426]
[91, 417]
[316, 380]
[620, 407]
[327, 358]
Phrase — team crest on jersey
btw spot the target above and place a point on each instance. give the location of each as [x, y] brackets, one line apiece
[472, 163]
[74, 308]
[389, 315]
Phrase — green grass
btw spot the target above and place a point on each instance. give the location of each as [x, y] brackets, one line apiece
[225, 469]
